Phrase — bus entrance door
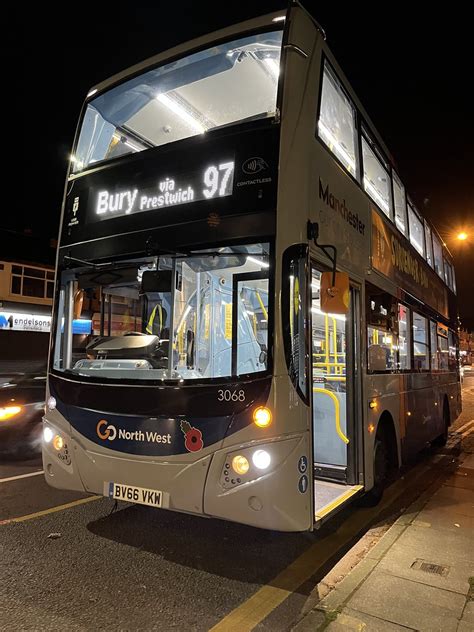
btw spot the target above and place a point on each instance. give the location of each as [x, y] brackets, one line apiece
[333, 379]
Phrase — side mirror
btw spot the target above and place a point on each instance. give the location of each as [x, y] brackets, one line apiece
[335, 298]
[78, 301]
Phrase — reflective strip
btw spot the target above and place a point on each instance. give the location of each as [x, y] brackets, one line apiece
[151, 320]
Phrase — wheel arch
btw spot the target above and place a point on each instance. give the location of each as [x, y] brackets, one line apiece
[386, 425]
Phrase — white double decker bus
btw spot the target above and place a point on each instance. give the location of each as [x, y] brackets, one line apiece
[213, 193]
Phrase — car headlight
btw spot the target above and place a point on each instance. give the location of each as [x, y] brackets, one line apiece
[7, 412]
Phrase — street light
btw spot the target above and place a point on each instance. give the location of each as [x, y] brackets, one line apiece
[462, 236]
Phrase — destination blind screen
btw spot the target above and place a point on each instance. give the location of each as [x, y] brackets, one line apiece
[213, 181]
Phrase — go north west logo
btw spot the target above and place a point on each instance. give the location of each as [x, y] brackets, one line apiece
[192, 436]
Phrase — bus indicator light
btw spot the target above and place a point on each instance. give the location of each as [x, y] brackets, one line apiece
[262, 417]
[240, 464]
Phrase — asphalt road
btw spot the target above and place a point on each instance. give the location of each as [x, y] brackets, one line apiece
[85, 568]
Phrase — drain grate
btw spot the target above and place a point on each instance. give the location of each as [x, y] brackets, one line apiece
[429, 567]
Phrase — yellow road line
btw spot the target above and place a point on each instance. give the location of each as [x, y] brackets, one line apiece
[249, 614]
[51, 510]
[464, 427]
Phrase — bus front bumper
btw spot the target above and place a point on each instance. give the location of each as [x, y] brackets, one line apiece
[273, 497]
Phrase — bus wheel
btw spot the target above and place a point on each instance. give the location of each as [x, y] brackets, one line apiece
[381, 471]
[441, 441]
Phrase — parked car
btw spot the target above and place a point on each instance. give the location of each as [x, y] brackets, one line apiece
[22, 398]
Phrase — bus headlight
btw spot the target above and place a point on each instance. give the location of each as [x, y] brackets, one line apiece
[261, 459]
[240, 464]
[48, 434]
[58, 443]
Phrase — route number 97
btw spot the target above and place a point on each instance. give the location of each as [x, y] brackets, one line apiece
[217, 180]
[226, 395]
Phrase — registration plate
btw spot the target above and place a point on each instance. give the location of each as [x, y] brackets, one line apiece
[132, 494]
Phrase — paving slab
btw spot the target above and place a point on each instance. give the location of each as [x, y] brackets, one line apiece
[408, 603]
[446, 520]
[462, 477]
[424, 543]
[469, 461]
[350, 619]
[457, 499]
[468, 614]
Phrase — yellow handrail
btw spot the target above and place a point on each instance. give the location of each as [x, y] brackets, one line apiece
[337, 419]
[264, 311]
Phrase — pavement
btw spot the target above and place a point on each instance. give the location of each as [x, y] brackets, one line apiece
[420, 574]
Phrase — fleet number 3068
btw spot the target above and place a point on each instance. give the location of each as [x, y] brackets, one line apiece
[227, 395]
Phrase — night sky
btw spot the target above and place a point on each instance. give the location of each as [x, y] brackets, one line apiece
[410, 70]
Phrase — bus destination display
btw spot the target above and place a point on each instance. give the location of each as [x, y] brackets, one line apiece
[215, 180]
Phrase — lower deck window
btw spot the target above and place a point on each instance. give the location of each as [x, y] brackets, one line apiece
[167, 317]
[421, 359]
[403, 338]
[381, 350]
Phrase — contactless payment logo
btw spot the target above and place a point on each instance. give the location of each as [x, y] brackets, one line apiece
[106, 431]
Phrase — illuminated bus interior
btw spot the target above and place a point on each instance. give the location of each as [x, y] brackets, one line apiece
[132, 307]
[221, 85]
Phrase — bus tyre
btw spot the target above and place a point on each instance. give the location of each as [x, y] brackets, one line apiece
[441, 441]
[381, 471]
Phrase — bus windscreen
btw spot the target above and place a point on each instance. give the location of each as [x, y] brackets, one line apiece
[167, 317]
[228, 83]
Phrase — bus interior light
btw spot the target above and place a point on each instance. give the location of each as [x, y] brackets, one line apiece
[262, 417]
[180, 111]
[261, 459]
[263, 264]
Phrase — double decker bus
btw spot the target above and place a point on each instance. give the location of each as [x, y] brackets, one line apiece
[195, 366]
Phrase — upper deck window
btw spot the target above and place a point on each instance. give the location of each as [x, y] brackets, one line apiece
[417, 236]
[429, 245]
[400, 204]
[336, 123]
[438, 257]
[376, 178]
[224, 84]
